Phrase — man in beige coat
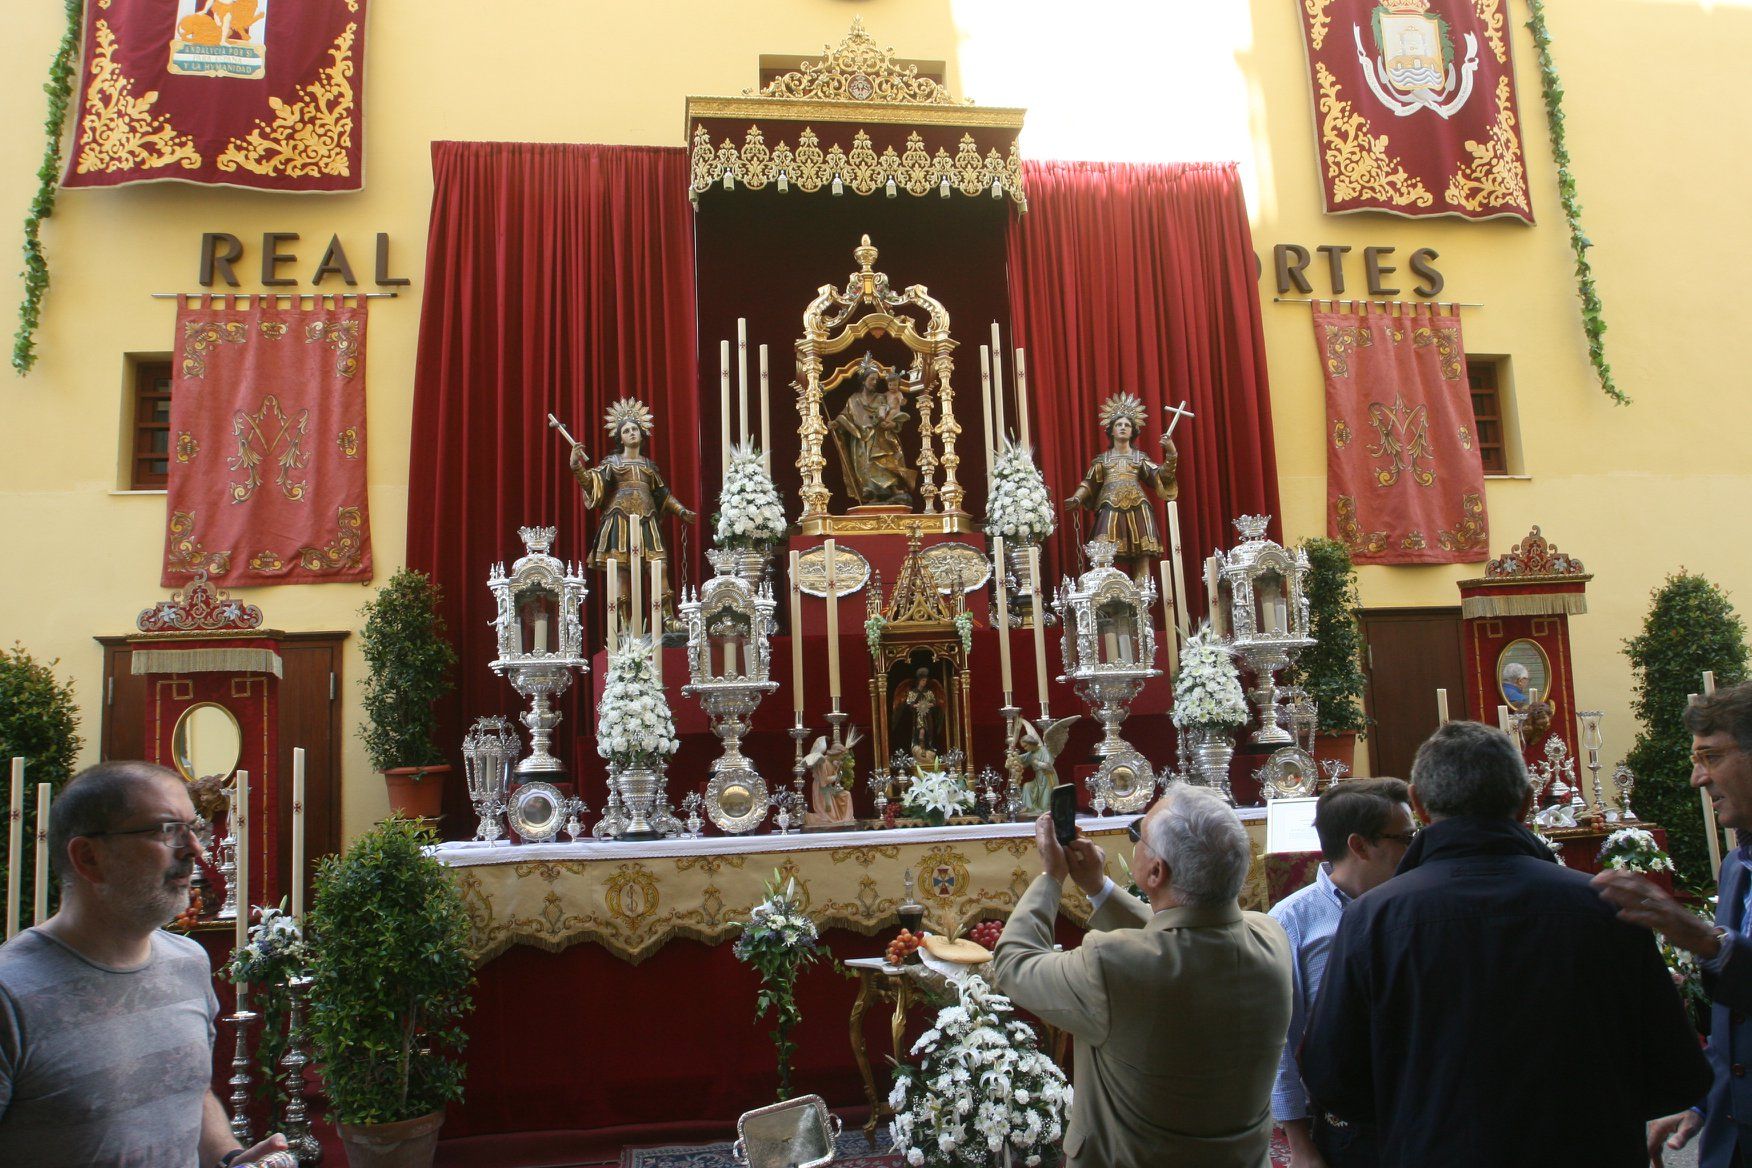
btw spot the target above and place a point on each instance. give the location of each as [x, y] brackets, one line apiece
[1179, 1008]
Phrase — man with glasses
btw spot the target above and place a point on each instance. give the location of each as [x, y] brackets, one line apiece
[1364, 827]
[1485, 1007]
[106, 1020]
[1721, 766]
[1178, 1005]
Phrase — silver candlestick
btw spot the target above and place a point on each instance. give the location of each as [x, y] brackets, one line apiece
[240, 1078]
[228, 873]
[1624, 779]
[297, 1120]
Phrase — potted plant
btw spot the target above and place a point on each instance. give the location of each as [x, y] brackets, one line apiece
[1331, 669]
[387, 937]
[409, 659]
[39, 722]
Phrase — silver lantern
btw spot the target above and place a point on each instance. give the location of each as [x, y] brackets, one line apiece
[541, 639]
[489, 752]
[1267, 614]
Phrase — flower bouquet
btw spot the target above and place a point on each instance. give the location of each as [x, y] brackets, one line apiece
[1019, 507]
[1631, 849]
[634, 728]
[779, 939]
[751, 516]
[1207, 690]
[938, 796]
[275, 954]
[982, 1087]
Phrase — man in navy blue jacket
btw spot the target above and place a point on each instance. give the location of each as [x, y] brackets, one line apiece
[1485, 1007]
[1721, 764]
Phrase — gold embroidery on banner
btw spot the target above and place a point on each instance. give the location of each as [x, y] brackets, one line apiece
[119, 129]
[186, 446]
[865, 854]
[943, 874]
[266, 561]
[340, 335]
[1405, 441]
[1360, 543]
[1413, 542]
[310, 136]
[250, 429]
[273, 329]
[631, 894]
[1341, 341]
[1447, 343]
[1319, 20]
[348, 441]
[344, 551]
[186, 551]
[202, 337]
[1465, 438]
[1341, 434]
[1469, 534]
[1357, 162]
[1490, 17]
[1496, 177]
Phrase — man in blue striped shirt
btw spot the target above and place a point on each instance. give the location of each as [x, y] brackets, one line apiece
[1364, 827]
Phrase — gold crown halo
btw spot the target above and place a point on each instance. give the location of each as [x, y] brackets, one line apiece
[626, 410]
[1416, 7]
[1122, 405]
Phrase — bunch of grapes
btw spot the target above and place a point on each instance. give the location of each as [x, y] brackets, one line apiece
[986, 933]
[901, 949]
[190, 916]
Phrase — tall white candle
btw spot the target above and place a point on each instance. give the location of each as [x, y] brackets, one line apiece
[998, 385]
[657, 618]
[766, 415]
[298, 832]
[240, 818]
[1003, 619]
[1170, 618]
[990, 427]
[613, 608]
[833, 662]
[15, 847]
[1503, 723]
[540, 641]
[724, 405]
[1022, 394]
[636, 609]
[796, 643]
[1441, 705]
[42, 855]
[1039, 626]
[1709, 683]
[742, 378]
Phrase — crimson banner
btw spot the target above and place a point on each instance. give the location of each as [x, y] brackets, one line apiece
[1414, 107]
[267, 451]
[249, 93]
[1404, 478]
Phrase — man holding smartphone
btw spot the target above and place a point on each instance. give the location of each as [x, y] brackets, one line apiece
[1178, 1001]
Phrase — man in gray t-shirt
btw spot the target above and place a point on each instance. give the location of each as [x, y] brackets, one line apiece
[106, 1021]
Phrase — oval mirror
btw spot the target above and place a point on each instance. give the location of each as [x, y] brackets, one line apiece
[1523, 673]
[206, 741]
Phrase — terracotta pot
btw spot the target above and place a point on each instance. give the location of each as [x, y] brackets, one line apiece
[417, 792]
[409, 1143]
[1341, 746]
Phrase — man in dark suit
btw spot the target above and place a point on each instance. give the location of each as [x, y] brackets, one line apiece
[1463, 1003]
[1721, 764]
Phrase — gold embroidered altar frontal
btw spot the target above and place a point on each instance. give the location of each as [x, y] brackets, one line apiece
[632, 899]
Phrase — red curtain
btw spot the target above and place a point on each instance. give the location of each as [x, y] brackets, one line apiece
[1142, 279]
[558, 278]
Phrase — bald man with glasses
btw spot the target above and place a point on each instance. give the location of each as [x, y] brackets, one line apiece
[106, 1020]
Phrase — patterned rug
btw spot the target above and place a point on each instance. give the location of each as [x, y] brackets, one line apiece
[851, 1151]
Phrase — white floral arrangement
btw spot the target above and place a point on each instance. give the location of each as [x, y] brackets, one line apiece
[275, 950]
[937, 797]
[751, 516]
[1019, 507]
[982, 1085]
[1631, 849]
[633, 724]
[1552, 846]
[778, 922]
[1207, 690]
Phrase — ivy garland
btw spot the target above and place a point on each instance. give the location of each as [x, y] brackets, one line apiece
[1593, 314]
[59, 87]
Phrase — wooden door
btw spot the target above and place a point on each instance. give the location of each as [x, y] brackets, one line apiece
[1409, 654]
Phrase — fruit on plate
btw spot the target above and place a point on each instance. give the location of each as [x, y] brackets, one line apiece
[986, 933]
[903, 947]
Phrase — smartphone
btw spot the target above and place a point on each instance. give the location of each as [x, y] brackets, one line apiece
[1064, 813]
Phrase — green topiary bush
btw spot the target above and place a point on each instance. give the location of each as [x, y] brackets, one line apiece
[408, 659]
[1691, 627]
[1331, 669]
[388, 935]
[39, 721]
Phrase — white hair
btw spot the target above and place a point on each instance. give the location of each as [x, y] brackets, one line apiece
[1516, 669]
[1202, 841]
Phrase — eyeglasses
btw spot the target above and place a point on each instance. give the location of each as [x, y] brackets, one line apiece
[1399, 837]
[1710, 759]
[170, 833]
[1134, 831]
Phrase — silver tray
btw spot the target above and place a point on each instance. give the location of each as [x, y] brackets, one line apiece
[1290, 773]
[736, 800]
[798, 1133]
[1131, 781]
[537, 811]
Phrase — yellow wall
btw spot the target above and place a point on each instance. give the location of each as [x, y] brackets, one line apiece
[1657, 126]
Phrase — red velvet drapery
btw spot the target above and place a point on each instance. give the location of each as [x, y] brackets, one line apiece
[558, 278]
[1141, 278]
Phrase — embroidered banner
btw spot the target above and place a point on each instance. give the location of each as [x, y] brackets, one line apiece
[267, 450]
[1404, 480]
[249, 93]
[1414, 107]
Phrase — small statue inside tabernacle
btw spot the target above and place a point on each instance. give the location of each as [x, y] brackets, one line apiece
[630, 490]
[916, 723]
[867, 432]
[1114, 487]
[830, 792]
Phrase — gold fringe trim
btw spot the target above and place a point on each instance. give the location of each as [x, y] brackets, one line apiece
[1544, 604]
[145, 661]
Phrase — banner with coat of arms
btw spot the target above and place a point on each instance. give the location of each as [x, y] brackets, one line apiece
[1404, 477]
[251, 93]
[1414, 107]
[267, 446]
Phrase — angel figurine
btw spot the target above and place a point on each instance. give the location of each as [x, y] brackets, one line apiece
[1039, 753]
[1114, 486]
[630, 489]
[830, 799]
